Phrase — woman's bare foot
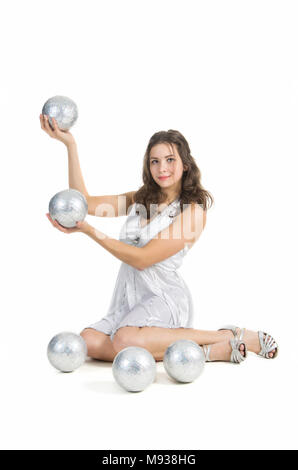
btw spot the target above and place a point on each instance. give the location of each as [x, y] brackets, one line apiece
[251, 339]
[222, 351]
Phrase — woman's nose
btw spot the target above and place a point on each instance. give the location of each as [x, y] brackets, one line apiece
[163, 167]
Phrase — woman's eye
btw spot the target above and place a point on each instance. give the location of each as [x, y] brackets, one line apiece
[152, 161]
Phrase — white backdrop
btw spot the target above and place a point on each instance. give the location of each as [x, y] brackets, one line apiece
[223, 73]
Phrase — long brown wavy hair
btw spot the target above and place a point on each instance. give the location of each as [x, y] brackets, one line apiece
[191, 187]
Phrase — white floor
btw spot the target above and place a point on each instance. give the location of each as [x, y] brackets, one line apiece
[247, 406]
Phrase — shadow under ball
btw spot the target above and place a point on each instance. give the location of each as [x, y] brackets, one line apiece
[184, 360]
[68, 207]
[67, 351]
[134, 368]
[63, 109]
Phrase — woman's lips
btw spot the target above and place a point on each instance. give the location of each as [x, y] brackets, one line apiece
[163, 177]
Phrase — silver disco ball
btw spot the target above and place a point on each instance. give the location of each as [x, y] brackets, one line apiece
[134, 368]
[67, 351]
[68, 207]
[184, 360]
[63, 109]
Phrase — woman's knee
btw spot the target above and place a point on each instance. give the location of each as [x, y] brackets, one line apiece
[93, 340]
[125, 337]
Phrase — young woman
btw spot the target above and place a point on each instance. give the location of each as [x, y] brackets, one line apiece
[151, 306]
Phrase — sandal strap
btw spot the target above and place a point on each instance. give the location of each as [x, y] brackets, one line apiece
[236, 355]
[206, 349]
[268, 344]
[229, 327]
[233, 328]
[241, 334]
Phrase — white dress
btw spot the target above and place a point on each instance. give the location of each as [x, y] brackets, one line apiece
[155, 296]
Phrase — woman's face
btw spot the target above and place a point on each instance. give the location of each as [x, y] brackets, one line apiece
[165, 163]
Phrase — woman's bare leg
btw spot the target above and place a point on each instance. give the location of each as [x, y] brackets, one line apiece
[99, 345]
[156, 340]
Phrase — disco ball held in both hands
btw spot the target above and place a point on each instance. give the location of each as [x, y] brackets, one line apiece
[184, 360]
[134, 368]
[63, 109]
[68, 207]
[67, 351]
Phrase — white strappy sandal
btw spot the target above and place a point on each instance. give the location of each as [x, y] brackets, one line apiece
[236, 355]
[267, 343]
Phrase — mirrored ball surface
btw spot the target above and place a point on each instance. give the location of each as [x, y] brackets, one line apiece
[134, 368]
[184, 360]
[63, 109]
[68, 207]
[67, 351]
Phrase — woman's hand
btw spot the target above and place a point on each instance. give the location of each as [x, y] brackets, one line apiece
[80, 226]
[64, 136]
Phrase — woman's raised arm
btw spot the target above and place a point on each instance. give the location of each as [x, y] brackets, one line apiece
[75, 177]
[100, 206]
